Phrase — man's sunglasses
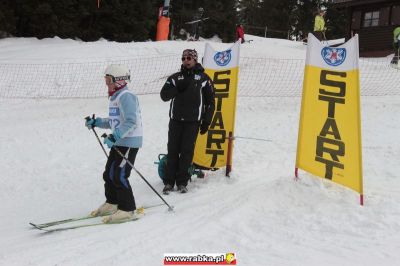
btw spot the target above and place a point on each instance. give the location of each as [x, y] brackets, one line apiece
[186, 58]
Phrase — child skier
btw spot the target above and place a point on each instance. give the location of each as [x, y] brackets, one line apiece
[396, 45]
[126, 124]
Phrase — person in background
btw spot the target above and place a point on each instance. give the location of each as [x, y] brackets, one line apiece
[319, 25]
[182, 34]
[240, 33]
[126, 124]
[396, 45]
[192, 106]
[197, 26]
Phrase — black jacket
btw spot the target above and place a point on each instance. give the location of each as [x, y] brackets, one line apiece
[191, 93]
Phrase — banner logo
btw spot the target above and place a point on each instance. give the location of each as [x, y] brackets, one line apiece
[333, 56]
[223, 58]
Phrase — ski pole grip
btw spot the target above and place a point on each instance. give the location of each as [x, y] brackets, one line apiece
[88, 117]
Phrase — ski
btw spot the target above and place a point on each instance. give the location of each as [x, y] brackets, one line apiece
[139, 210]
[80, 226]
[44, 225]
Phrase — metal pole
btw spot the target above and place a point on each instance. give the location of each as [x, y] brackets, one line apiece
[238, 137]
[97, 136]
[229, 155]
[265, 34]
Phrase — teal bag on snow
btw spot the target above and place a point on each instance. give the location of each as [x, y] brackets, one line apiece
[162, 168]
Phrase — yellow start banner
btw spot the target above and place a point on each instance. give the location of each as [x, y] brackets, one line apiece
[223, 68]
[329, 140]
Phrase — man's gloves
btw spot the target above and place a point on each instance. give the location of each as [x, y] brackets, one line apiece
[91, 122]
[204, 127]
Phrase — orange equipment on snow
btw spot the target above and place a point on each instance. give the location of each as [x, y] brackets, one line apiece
[162, 28]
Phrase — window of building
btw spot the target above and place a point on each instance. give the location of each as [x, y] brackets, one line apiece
[371, 19]
[395, 15]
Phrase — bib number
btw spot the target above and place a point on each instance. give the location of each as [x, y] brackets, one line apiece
[114, 123]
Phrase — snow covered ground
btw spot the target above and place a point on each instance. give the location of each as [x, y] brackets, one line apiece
[51, 168]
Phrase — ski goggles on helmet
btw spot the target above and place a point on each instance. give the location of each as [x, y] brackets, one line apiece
[121, 78]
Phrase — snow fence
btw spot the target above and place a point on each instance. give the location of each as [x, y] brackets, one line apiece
[258, 77]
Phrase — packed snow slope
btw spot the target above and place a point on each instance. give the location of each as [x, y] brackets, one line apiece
[51, 168]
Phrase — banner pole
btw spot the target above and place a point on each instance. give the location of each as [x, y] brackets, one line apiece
[229, 155]
[296, 173]
[361, 199]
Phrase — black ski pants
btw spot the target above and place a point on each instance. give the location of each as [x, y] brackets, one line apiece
[116, 185]
[181, 142]
[319, 35]
[396, 56]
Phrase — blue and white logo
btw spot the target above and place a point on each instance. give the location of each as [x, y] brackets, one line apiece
[113, 111]
[333, 56]
[223, 58]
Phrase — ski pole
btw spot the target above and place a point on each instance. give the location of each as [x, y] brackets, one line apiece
[239, 137]
[170, 208]
[97, 136]
[250, 138]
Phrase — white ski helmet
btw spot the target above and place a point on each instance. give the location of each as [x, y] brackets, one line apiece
[118, 72]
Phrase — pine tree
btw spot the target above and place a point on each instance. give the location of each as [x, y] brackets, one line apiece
[220, 21]
[221, 16]
[136, 20]
[7, 19]
[119, 20]
[251, 16]
[336, 21]
[277, 16]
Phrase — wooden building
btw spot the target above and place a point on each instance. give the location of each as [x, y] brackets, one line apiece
[374, 22]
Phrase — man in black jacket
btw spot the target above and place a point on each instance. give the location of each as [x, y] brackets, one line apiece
[192, 107]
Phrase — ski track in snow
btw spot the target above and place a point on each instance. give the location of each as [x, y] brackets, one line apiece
[53, 170]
